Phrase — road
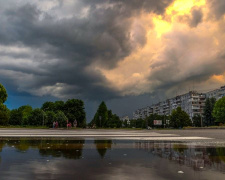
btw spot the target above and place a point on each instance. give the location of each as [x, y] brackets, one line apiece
[206, 135]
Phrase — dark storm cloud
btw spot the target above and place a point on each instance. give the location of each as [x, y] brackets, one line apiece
[65, 50]
[196, 17]
[217, 7]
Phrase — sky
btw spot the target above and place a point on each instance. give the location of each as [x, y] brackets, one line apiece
[128, 53]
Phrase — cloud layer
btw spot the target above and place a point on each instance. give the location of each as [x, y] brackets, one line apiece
[107, 49]
[56, 47]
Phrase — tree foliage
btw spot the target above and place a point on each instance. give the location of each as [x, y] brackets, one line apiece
[3, 94]
[48, 106]
[50, 117]
[4, 115]
[25, 114]
[208, 117]
[138, 123]
[20, 116]
[101, 116]
[15, 117]
[179, 118]
[36, 117]
[105, 118]
[197, 120]
[61, 118]
[74, 109]
[4, 111]
[113, 120]
[219, 110]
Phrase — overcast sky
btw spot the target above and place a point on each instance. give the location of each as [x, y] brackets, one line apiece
[129, 53]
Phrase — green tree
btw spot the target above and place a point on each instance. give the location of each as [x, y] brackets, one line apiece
[74, 109]
[179, 118]
[48, 106]
[208, 117]
[59, 106]
[4, 111]
[36, 117]
[53, 106]
[140, 123]
[4, 115]
[25, 113]
[219, 110]
[197, 120]
[61, 118]
[3, 94]
[101, 116]
[50, 118]
[15, 117]
[113, 120]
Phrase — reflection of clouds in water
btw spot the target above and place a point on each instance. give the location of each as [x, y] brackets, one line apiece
[31, 169]
[138, 164]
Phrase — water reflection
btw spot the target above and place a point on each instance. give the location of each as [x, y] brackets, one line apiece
[102, 146]
[108, 159]
[194, 156]
[71, 149]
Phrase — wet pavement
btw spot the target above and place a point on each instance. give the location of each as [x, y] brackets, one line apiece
[24, 158]
[111, 154]
[216, 134]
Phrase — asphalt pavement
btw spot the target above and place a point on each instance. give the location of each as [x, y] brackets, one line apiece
[194, 135]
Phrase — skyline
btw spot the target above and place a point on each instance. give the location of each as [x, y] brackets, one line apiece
[127, 53]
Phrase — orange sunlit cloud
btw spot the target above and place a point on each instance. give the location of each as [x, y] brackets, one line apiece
[174, 51]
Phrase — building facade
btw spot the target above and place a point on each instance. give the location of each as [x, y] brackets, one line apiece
[217, 93]
[192, 103]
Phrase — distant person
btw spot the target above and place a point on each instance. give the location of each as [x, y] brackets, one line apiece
[75, 123]
[56, 124]
[53, 124]
[68, 124]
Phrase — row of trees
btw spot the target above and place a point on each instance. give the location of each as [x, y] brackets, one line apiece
[71, 110]
[60, 111]
[214, 112]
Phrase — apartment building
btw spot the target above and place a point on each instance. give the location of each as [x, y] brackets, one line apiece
[192, 103]
[217, 93]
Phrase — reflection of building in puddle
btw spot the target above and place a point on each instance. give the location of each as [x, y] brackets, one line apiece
[197, 157]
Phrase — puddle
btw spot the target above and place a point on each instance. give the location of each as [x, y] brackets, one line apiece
[109, 159]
